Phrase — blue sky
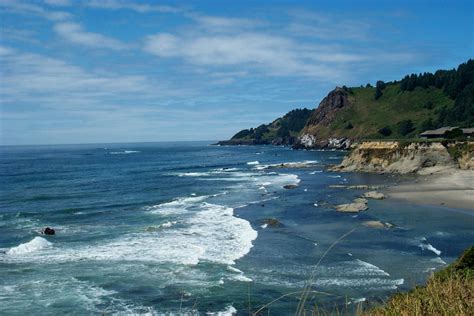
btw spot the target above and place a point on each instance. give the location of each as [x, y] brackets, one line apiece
[124, 71]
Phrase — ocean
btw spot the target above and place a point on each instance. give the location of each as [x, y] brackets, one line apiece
[181, 228]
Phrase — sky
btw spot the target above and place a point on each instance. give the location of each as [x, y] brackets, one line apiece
[98, 71]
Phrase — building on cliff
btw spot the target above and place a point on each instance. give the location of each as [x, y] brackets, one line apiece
[441, 132]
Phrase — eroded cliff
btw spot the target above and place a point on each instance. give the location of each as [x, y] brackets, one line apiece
[396, 157]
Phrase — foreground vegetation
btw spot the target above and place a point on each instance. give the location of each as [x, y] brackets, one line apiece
[447, 292]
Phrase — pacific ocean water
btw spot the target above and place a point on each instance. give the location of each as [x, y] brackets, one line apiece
[179, 228]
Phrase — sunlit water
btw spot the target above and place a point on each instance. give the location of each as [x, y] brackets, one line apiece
[179, 227]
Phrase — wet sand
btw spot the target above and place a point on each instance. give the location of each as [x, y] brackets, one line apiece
[453, 188]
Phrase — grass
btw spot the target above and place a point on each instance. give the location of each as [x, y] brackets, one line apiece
[447, 292]
[367, 115]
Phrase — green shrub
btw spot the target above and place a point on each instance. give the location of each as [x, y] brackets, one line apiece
[405, 127]
[385, 131]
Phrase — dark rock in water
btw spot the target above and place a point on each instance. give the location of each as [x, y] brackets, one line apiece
[48, 231]
[290, 186]
[272, 222]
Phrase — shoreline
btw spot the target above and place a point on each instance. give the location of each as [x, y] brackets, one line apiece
[453, 189]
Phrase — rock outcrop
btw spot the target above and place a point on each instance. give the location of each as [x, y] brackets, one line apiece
[48, 231]
[463, 152]
[272, 222]
[329, 106]
[377, 224]
[356, 206]
[325, 115]
[374, 195]
[393, 157]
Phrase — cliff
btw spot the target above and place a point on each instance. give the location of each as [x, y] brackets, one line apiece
[415, 157]
[353, 114]
[392, 110]
[398, 110]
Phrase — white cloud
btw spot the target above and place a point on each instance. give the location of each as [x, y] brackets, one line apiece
[74, 33]
[36, 79]
[28, 8]
[130, 5]
[270, 54]
[223, 24]
[328, 26]
[58, 2]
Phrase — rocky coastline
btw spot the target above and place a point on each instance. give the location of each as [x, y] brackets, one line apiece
[404, 158]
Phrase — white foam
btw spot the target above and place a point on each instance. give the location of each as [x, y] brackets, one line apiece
[316, 204]
[366, 268]
[241, 278]
[209, 233]
[35, 244]
[125, 152]
[168, 224]
[366, 282]
[438, 260]
[177, 206]
[234, 269]
[305, 163]
[337, 176]
[256, 162]
[229, 311]
[315, 171]
[194, 174]
[427, 246]
[359, 300]
[264, 226]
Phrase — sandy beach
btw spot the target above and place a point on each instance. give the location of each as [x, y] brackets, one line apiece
[454, 188]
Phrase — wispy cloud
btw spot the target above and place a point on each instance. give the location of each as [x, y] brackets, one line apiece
[309, 45]
[263, 52]
[218, 24]
[74, 33]
[50, 82]
[33, 9]
[58, 2]
[328, 26]
[130, 5]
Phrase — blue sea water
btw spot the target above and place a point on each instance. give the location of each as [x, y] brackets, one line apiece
[161, 228]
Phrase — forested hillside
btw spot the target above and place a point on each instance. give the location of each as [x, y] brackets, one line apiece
[283, 130]
[389, 110]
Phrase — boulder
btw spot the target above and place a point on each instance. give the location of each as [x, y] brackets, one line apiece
[356, 206]
[48, 231]
[374, 224]
[272, 222]
[374, 195]
[378, 224]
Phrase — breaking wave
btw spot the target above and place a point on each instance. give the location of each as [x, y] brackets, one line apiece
[35, 244]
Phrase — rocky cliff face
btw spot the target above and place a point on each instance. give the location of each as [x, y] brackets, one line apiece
[393, 157]
[324, 115]
[463, 152]
[329, 106]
